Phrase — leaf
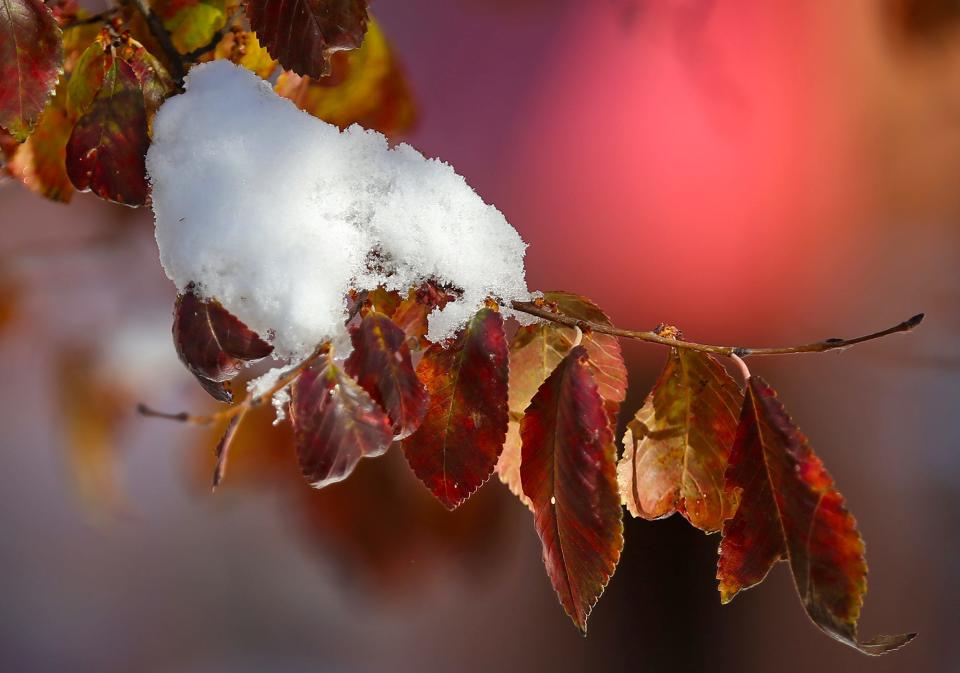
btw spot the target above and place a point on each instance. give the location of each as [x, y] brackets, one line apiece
[457, 445]
[90, 410]
[606, 359]
[380, 362]
[676, 447]
[569, 474]
[155, 81]
[335, 423]
[31, 60]
[366, 86]
[213, 343]
[789, 509]
[303, 35]
[87, 76]
[105, 152]
[535, 350]
[243, 48]
[192, 23]
[40, 162]
[412, 314]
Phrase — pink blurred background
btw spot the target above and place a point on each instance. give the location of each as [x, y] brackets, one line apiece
[756, 172]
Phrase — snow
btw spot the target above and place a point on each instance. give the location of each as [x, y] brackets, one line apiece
[277, 214]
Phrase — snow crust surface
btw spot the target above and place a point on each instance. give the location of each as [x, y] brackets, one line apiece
[277, 214]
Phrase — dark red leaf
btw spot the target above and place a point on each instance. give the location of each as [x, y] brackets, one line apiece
[213, 343]
[457, 445]
[790, 510]
[303, 35]
[568, 471]
[381, 364]
[675, 449]
[335, 423]
[106, 150]
[536, 349]
[31, 60]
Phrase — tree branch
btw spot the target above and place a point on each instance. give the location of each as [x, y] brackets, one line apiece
[543, 312]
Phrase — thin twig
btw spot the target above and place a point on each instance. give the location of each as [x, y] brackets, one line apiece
[242, 407]
[157, 29]
[195, 55]
[743, 352]
[94, 18]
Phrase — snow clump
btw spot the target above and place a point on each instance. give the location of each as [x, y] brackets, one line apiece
[277, 214]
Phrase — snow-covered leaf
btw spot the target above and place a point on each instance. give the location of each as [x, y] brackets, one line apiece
[213, 343]
[380, 362]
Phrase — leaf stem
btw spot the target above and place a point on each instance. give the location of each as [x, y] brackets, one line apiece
[545, 313]
[742, 366]
[243, 407]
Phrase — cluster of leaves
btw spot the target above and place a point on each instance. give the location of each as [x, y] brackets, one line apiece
[78, 91]
[540, 407]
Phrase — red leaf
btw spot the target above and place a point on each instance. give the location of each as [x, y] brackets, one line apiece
[568, 472]
[381, 364]
[303, 35]
[789, 509]
[457, 445]
[31, 60]
[335, 423]
[675, 449]
[106, 150]
[213, 343]
[536, 349]
[412, 314]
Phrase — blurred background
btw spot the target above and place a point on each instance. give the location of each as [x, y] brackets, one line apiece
[756, 172]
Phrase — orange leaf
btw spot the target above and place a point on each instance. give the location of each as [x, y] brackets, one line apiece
[675, 449]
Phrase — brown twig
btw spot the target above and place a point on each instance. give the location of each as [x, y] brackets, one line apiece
[242, 407]
[155, 23]
[103, 16]
[545, 313]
